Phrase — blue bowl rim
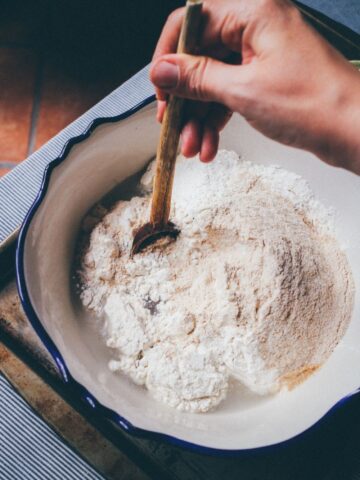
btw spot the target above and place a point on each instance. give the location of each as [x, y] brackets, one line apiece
[79, 390]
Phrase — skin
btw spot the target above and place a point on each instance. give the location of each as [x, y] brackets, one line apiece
[260, 59]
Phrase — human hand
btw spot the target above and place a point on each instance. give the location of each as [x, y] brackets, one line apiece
[262, 60]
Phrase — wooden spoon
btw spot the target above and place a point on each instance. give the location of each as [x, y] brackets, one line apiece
[159, 225]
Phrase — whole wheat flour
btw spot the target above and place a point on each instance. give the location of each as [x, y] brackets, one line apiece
[255, 288]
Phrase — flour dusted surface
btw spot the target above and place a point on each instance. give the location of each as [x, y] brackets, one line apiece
[256, 287]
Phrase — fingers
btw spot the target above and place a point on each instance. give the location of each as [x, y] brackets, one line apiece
[169, 37]
[199, 139]
[194, 77]
[200, 78]
[209, 144]
[214, 122]
[191, 138]
[203, 123]
[215, 41]
[192, 134]
[168, 41]
[218, 89]
[222, 26]
[201, 131]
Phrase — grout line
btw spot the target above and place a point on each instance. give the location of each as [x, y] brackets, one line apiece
[36, 105]
[10, 165]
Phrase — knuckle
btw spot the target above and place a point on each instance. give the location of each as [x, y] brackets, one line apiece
[196, 76]
[175, 15]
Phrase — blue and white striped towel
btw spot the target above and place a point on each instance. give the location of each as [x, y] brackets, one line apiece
[30, 449]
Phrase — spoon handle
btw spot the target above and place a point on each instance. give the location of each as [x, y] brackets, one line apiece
[171, 125]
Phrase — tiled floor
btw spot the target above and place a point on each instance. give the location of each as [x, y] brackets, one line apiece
[57, 59]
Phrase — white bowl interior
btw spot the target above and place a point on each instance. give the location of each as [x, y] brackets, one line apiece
[112, 153]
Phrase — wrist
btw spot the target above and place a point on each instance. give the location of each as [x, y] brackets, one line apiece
[340, 145]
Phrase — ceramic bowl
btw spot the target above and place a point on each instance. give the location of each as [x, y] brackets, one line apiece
[89, 168]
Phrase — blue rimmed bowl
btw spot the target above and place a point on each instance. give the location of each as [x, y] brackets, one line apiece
[91, 166]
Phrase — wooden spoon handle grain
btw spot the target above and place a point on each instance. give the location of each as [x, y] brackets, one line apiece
[171, 125]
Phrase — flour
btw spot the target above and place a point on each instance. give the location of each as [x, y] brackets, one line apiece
[255, 288]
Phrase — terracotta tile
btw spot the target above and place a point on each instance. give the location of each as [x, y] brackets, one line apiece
[4, 171]
[17, 75]
[68, 91]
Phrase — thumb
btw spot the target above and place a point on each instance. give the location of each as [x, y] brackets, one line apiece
[195, 77]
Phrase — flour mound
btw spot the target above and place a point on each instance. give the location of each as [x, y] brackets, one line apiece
[255, 288]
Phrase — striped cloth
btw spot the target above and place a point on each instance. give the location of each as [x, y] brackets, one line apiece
[19, 188]
[30, 449]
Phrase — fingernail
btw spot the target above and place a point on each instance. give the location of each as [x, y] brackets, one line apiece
[165, 75]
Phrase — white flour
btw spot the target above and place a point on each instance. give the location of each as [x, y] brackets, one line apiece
[255, 288]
